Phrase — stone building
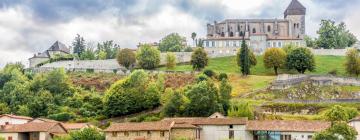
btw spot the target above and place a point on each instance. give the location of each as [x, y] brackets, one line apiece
[57, 48]
[226, 36]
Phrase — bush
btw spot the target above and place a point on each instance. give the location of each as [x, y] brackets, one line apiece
[188, 49]
[222, 76]
[209, 73]
[64, 116]
[199, 59]
[90, 70]
[148, 57]
[201, 77]
[126, 58]
[301, 59]
[170, 60]
[87, 134]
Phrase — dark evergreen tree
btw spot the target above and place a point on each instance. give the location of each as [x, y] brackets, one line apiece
[78, 45]
[244, 59]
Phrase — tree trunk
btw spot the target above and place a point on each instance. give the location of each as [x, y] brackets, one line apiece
[275, 69]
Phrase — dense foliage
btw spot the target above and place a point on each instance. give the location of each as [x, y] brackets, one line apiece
[78, 45]
[172, 43]
[148, 57]
[300, 59]
[333, 36]
[352, 64]
[274, 58]
[199, 59]
[170, 60]
[126, 57]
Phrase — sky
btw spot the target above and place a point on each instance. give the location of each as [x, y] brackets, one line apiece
[31, 26]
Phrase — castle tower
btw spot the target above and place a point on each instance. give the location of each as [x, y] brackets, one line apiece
[295, 13]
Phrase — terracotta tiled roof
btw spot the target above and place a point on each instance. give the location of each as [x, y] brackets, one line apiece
[144, 126]
[209, 121]
[287, 126]
[75, 126]
[29, 127]
[183, 125]
[44, 120]
[16, 117]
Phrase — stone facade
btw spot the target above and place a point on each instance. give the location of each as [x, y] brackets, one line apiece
[138, 135]
[184, 133]
[259, 33]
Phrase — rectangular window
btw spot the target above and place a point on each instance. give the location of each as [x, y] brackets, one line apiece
[231, 134]
[231, 126]
[197, 134]
[309, 137]
[137, 133]
[274, 44]
[126, 133]
[149, 133]
[207, 43]
[162, 134]
[213, 43]
[227, 43]
[114, 134]
[10, 138]
[285, 137]
[279, 44]
[235, 43]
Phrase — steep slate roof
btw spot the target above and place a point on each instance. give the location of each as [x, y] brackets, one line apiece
[16, 117]
[295, 8]
[30, 127]
[58, 46]
[287, 126]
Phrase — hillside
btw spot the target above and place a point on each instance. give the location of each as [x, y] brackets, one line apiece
[324, 65]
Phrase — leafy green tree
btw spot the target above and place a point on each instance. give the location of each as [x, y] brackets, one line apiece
[238, 109]
[23, 110]
[170, 60]
[172, 43]
[301, 59]
[288, 48]
[310, 42]
[352, 64]
[87, 134]
[132, 94]
[88, 54]
[78, 45]
[4, 109]
[203, 100]
[274, 58]
[175, 106]
[334, 36]
[337, 113]
[245, 59]
[338, 130]
[107, 50]
[225, 94]
[199, 59]
[40, 105]
[148, 57]
[126, 57]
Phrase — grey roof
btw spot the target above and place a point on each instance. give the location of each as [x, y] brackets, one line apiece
[58, 46]
[254, 20]
[295, 8]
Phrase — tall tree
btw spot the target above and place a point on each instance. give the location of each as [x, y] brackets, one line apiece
[225, 94]
[334, 36]
[172, 43]
[352, 64]
[148, 57]
[274, 58]
[301, 59]
[193, 36]
[199, 59]
[243, 59]
[107, 50]
[175, 106]
[126, 57]
[78, 45]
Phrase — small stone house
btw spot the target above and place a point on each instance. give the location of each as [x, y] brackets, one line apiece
[32, 131]
[57, 48]
[7, 119]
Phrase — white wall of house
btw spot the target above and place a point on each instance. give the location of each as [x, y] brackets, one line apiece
[14, 136]
[299, 135]
[10, 120]
[220, 132]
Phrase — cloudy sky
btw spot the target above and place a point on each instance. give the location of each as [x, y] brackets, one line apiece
[31, 26]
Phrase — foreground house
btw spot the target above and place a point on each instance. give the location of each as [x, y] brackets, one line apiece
[32, 131]
[7, 119]
[215, 129]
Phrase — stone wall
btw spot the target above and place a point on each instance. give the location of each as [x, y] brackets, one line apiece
[286, 81]
[334, 52]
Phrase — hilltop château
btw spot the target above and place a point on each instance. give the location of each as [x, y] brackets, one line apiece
[57, 48]
[226, 36]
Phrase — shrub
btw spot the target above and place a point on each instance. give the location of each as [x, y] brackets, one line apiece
[222, 76]
[201, 77]
[90, 70]
[301, 59]
[148, 57]
[209, 73]
[170, 60]
[64, 116]
[199, 59]
[126, 58]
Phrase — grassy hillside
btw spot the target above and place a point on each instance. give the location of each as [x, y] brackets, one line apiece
[324, 64]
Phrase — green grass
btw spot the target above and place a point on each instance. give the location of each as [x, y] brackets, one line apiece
[324, 64]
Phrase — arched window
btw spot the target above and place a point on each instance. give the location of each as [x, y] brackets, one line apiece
[222, 34]
[231, 34]
[253, 30]
[269, 28]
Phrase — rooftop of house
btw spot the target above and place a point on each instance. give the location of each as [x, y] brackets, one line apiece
[30, 127]
[16, 117]
[143, 126]
[287, 126]
[43, 120]
[75, 126]
[57, 46]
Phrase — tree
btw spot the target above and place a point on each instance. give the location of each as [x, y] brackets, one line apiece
[352, 64]
[274, 58]
[337, 113]
[172, 43]
[78, 45]
[199, 59]
[301, 59]
[148, 57]
[203, 100]
[310, 42]
[170, 60]
[225, 95]
[334, 36]
[239, 109]
[107, 50]
[126, 58]
[88, 54]
[175, 106]
[4, 109]
[87, 134]
[245, 59]
[193, 36]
